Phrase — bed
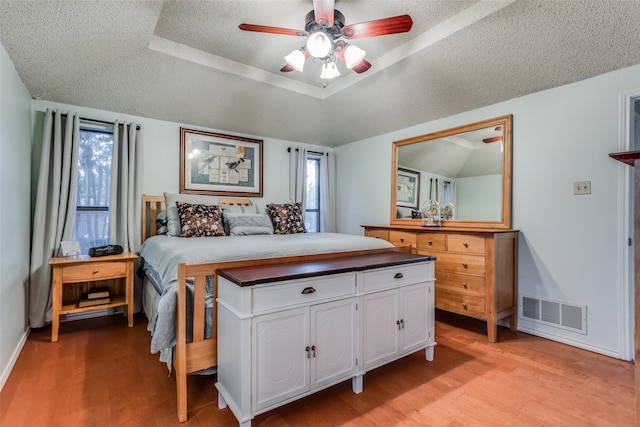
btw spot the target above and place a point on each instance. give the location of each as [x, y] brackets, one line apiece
[179, 274]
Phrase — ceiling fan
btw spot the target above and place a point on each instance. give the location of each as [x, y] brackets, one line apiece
[328, 38]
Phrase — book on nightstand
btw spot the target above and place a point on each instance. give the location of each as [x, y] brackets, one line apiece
[88, 302]
[98, 293]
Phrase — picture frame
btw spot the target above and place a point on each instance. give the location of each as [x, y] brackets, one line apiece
[408, 188]
[217, 164]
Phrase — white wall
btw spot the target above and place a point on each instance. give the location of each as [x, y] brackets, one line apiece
[160, 142]
[570, 246]
[15, 167]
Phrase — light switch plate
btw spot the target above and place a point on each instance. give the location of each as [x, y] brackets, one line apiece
[582, 187]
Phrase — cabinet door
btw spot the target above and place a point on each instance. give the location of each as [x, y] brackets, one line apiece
[380, 327]
[414, 312]
[280, 364]
[333, 340]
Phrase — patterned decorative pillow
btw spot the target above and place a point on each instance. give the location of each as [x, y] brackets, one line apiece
[200, 220]
[287, 218]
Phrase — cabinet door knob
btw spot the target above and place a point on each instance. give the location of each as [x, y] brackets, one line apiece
[398, 323]
[398, 276]
[95, 271]
[465, 244]
[313, 349]
[464, 305]
[308, 354]
[464, 264]
[308, 290]
[464, 285]
[402, 323]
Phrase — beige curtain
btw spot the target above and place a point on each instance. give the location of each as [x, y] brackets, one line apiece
[55, 207]
[298, 176]
[124, 207]
[328, 192]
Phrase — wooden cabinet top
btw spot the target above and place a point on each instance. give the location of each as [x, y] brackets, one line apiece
[268, 273]
[441, 229]
[82, 259]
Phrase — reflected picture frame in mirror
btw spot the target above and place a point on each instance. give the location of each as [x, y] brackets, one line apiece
[467, 167]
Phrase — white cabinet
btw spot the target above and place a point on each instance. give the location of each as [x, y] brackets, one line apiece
[397, 322]
[298, 350]
[288, 335]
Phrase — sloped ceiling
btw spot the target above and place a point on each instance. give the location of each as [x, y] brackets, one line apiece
[187, 61]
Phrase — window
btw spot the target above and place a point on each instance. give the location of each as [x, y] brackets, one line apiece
[93, 190]
[312, 214]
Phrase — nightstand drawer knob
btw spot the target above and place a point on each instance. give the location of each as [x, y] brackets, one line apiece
[464, 285]
[464, 305]
[95, 271]
[429, 242]
[465, 244]
[464, 264]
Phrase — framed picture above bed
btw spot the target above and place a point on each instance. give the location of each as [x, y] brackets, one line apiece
[217, 164]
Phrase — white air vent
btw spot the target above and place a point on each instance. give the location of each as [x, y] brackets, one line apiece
[572, 317]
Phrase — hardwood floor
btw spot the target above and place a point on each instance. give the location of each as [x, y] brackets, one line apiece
[100, 373]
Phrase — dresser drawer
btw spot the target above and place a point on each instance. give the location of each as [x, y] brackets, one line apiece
[402, 275]
[461, 263]
[378, 234]
[468, 305]
[459, 282]
[94, 271]
[466, 243]
[283, 294]
[402, 238]
[433, 241]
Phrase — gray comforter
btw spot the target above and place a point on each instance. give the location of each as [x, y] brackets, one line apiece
[162, 254]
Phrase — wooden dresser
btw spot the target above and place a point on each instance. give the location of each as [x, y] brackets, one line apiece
[476, 269]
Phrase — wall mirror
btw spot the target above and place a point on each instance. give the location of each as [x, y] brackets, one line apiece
[466, 169]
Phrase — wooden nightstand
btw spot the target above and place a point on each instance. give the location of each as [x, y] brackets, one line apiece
[80, 269]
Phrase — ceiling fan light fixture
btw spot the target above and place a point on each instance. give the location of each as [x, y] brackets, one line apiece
[353, 55]
[319, 45]
[329, 71]
[296, 59]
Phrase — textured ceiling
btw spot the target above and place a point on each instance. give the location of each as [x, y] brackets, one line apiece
[187, 61]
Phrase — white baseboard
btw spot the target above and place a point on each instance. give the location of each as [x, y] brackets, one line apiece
[14, 359]
[573, 343]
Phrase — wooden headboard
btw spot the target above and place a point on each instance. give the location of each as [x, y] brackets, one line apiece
[153, 205]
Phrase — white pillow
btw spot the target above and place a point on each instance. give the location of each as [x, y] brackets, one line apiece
[246, 224]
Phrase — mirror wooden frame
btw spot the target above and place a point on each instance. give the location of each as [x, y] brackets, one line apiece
[505, 221]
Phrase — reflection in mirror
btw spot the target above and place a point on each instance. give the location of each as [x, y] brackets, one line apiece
[466, 170]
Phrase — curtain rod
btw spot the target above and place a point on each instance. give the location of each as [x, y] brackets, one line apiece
[99, 121]
[308, 151]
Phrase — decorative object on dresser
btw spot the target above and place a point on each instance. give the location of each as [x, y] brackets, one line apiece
[476, 269]
[68, 272]
[288, 330]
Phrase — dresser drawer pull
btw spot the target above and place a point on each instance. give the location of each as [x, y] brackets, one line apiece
[429, 242]
[308, 290]
[398, 276]
[464, 305]
[464, 264]
[464, 285]
[465, 244]
[95, 271]
[402, 239]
